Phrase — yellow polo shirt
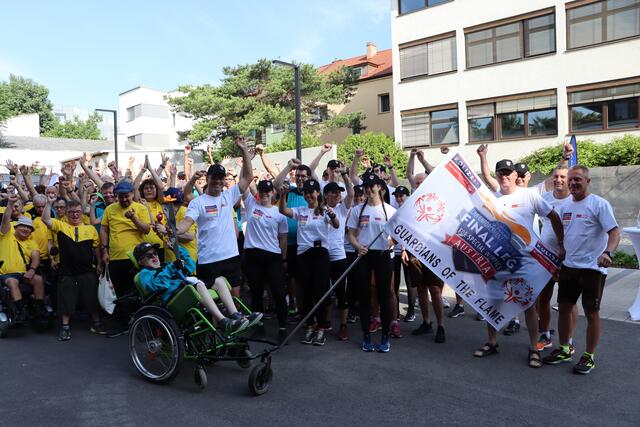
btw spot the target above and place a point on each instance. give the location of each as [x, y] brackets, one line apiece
[123, 234]
[13, 262]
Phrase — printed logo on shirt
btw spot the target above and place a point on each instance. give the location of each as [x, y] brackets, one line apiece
[212, 210]
[364, 221]
[257, 214]
[302, 220]
[566, 218]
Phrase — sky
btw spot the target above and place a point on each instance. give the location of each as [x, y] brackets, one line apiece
[87, 52]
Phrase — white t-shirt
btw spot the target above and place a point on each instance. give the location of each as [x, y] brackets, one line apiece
[527, 203]
[586, 224]
[336, 235]
[348, 247]
[311, 228]
[263, 226]
[216, 230]
[370, 223]
[547, 236]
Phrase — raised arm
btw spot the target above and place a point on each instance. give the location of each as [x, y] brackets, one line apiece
[265, 161]
[246, 174]
[392, 172]
[279, 179]
[348, 186]
[13, 179]
[26, 172]
[282, 204]
[46, 214]
[491, 182]
[154, 175]
[84, 164]
[428, 167]
[412, 156]
[353, 170]
[5, 225]
[316, 161]
[137, 181]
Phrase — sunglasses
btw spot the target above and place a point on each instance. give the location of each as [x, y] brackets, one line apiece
[522, 175]
[504, 172]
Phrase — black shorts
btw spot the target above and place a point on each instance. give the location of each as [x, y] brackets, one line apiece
[229, 268]
[81, 287]
[421, 275]
[574, 282]
[292, 265]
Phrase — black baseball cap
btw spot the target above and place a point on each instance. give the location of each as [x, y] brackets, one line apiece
[265, 185]
[143, 248]
[505, 164]
[358, 189]
[382, 167]
[521, 168]
[400, 190]
[333, 164]
[216, 170]
[311, 185]
[333, 187]
[371, 179]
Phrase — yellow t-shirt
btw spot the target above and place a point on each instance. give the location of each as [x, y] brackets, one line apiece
[155, 209]
[123, 234]
[191, 246]
[13, 262]
[41, 235]
[85, 219]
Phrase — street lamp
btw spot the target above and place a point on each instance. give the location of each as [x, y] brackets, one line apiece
[296, 74]
[115, 130]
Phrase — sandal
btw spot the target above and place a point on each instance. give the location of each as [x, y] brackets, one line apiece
[535, 360]
[486, 350]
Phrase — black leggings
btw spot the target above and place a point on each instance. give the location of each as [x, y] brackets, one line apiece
[260, 266]
[352, 283]
[379, 263]
[122, 273]
[313, 271]
[411, 291]
[337, 269]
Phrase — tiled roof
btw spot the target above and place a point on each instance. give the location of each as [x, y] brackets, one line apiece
[379, 65]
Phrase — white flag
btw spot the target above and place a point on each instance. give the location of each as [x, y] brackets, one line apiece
[488, 254]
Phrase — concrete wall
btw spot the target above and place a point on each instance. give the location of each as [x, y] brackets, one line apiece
[366, 100]
[555, 71]
[23, 125]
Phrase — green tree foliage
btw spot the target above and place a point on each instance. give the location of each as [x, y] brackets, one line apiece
[4, 115]
[254, 96]
[24, 96]
[288, 142]
[376, 146]
[76, 128]
[621, 151]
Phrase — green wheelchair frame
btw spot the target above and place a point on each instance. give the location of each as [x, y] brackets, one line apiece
[164, 334]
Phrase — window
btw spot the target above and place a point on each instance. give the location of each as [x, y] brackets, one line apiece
[515, 40]
[384, 103]
[528, 115]
[318, 115]
[428, 57]
[277, 128]
[600, 107]
[407, 6]
[430, 127]
[601, 22]
[358, 72]
[133, 112]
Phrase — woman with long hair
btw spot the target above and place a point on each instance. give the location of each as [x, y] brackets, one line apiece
[313, 221]
[365, 223]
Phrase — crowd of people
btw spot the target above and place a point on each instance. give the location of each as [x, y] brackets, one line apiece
[287, 235]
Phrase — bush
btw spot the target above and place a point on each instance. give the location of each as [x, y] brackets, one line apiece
[621, 151]
[622, 259]
[376, 146]
[288, 142]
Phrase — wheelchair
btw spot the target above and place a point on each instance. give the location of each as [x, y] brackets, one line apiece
[40, 322]
[162, 335]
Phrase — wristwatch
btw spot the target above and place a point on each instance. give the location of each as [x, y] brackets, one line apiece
[608, 253]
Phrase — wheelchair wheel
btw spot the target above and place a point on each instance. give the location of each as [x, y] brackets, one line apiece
[260, 378]
[200, 377]
[155, 345]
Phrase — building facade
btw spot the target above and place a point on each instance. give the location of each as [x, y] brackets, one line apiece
[146, 119]
[374, 93]
[517, 75]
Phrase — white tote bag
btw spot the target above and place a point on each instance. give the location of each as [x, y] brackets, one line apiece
[106, 293]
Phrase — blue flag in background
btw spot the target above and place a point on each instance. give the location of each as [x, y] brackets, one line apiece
[573, 160]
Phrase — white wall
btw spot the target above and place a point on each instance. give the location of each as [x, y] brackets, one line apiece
[23, 125]
[562, 69]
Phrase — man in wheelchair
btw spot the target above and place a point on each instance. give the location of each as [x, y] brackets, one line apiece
[21, 257]
[172, 276]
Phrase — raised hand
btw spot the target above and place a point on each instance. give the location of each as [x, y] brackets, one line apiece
[259, 149]
[294, 163]
[165, 158]
[420, 155]
[86, 157]
[366, 161]
[567, 151]
[444, 149]
[187, 149]
[326, 148]
[13, 168]
[482, 150]
[359, 152]
[387, 161]
[26, 170]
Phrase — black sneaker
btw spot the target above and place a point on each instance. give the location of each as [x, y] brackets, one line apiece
[424, 328]
[557, 356]
[319, 339]
[457, 311]
[410, 316]
[232, 326]
[352, 317]
[253, 318]
[512, 328]
[585, 365]
[117, 331]
[97, 328]
[65, 334]
[440, 338]
[308, 336]
[479, 317]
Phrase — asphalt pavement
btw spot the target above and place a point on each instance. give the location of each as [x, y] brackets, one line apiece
[90, 380]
